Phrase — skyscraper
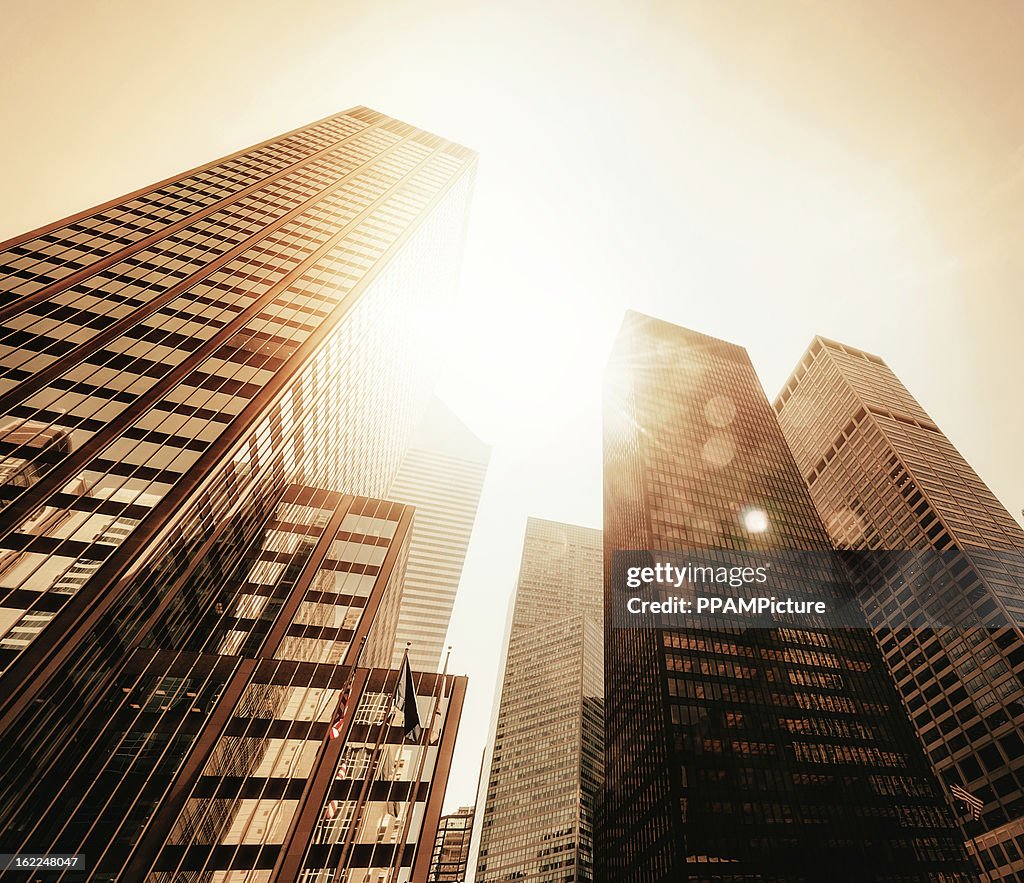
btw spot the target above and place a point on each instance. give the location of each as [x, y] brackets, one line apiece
[739, 752]
[886, 480]
[175, 363]
[442, 475]
[451, 848]
[545, 775]
[311, 773]
[270, 746]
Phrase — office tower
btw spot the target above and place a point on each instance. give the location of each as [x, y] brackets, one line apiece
[451, 848]
[733, 752]
[215, 756]
[546, 766]
[173, 362]
[442, 475]
[886, 480]
[276, 796]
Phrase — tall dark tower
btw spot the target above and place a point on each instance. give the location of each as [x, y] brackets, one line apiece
[775, 753]
[887, 481]
[173, 365]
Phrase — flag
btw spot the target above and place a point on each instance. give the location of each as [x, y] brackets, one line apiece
[331, 810]
[974, 804]
[406, 705]
[339, 715]
[336, 723]
[436, 726]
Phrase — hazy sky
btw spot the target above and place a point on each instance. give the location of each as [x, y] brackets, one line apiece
[760, 171]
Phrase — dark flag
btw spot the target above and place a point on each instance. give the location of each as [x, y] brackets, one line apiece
[405, 703]
[974, 804]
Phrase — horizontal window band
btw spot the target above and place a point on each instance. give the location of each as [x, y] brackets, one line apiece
[133, 433]
[116, 395]
[319, 633]
[52, 346]
[207, 858]
[27, 542]
[26, 599]
[131, 470]
[106, 263]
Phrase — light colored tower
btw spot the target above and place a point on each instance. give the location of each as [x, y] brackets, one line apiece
[545, 775]
[442, 475]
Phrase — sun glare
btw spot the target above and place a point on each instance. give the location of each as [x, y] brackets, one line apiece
[755, 520]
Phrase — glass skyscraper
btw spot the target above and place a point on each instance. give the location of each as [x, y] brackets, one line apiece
[544, 782]
[299, 768]
[775, 753]
[886, 480]
[185, 372]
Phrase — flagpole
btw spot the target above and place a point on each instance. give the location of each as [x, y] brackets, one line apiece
[364, 789]
[399, 684]
[425, 735]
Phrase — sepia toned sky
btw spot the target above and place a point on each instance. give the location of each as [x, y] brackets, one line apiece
[760, 171]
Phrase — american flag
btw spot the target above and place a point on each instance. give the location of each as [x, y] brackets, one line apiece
[974, 804]
[339, 715]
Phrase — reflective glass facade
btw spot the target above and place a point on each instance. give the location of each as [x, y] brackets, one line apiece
[546, 768]
[278, 799]
[186, 374]
[212, 760]
[732, 754]
[884, 477]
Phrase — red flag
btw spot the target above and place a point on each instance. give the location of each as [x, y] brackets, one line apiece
[339, 717]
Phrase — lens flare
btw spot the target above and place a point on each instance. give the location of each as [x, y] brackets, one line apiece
[754, 520]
